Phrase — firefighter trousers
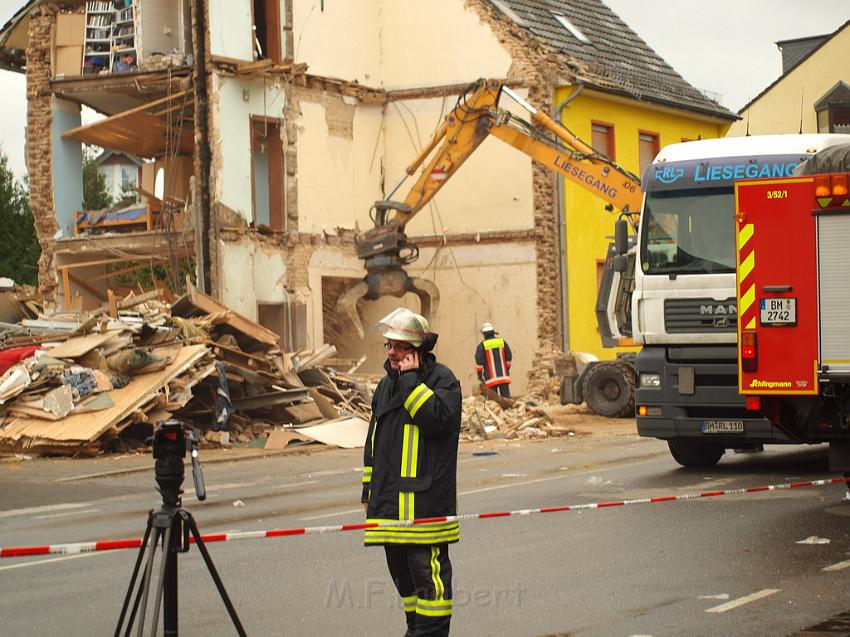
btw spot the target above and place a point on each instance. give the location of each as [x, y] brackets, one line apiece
[423, 577]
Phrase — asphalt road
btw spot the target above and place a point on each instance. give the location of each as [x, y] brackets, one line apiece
[731, 565]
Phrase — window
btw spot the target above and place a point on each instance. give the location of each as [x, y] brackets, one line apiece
[648, 148]
[833, 110]
[128, 180]
[602, 139]
[267, 32]
[267, 172]
[569, 26]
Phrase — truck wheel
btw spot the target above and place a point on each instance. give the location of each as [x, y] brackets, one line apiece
[609, 389]
[695, 454]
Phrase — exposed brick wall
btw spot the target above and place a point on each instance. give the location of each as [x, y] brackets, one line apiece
[39, 140]
[541, 70]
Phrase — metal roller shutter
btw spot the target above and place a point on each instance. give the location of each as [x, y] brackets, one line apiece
[834, 290]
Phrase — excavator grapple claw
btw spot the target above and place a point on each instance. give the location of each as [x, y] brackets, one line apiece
[390, 281]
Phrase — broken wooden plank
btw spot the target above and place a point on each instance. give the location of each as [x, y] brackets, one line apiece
[311, 359]
[80, 345]
[239, 358]
[234, 319]
[325, 406]
[303, 412]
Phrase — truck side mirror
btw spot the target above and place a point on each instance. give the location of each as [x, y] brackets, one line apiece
[620, 263]
[621, 236]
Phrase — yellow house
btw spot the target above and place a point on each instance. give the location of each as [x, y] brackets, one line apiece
[630, 131]
[811, 96]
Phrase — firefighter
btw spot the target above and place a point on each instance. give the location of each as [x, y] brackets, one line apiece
[493, 361]
[410, 470]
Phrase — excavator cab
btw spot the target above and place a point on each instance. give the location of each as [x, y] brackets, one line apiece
[385, 251]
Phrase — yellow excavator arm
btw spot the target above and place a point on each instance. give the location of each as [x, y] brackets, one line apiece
[476, 116]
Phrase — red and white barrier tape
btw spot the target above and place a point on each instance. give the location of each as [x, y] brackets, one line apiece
[111, 545]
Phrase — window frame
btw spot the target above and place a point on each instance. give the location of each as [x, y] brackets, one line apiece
[609, 133]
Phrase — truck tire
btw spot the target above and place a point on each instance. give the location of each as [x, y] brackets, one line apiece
[609, 389]
[695, 454]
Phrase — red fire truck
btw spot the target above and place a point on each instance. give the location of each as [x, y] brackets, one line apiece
[793, 286]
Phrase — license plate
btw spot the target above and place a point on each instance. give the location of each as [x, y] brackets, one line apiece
[778, 311]
[722, 426]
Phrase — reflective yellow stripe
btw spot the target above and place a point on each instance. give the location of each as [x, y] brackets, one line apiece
[745, 235]
[747, 265]
[433, 608]
[411, 535]
[493, 343]
[747, 299]
[367, 475]
[409, 451]
[415, 394]
[439, 589]
[419, 402]
[405, 505]
[409, 603]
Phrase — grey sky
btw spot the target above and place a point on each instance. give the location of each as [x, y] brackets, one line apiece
[723, 46]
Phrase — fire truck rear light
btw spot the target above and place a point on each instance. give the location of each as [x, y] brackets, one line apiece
[749, 351]
[839, 185]
[822, 188]
[753, 403]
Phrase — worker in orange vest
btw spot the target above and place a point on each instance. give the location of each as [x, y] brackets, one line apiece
[493, 361]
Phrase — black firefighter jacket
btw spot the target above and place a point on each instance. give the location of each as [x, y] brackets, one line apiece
[410, 459]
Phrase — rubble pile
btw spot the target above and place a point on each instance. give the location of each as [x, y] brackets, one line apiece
[75, 387]
[550, 366]
[489, 418]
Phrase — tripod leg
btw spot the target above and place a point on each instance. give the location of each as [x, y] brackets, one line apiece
[166, 556]
[133, 577]
[146, 584]
[214, 574]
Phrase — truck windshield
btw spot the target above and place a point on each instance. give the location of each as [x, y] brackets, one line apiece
[689, 231]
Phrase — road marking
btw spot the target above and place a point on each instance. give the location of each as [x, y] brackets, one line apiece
[45, 509]
[497, 487]
[735, 603]
[62, 515]
[840, 566]
[53, 559]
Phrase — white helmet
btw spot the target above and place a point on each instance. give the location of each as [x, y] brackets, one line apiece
[487, 327]
[404, 325]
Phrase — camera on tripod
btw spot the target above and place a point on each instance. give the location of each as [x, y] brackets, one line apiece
[171, 440]
[169, 528]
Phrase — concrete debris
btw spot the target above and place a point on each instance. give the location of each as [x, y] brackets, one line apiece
[485, 419]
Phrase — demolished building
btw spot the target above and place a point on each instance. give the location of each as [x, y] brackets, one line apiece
[269, 128]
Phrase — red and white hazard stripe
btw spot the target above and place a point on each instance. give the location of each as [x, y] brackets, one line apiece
[111, 545]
